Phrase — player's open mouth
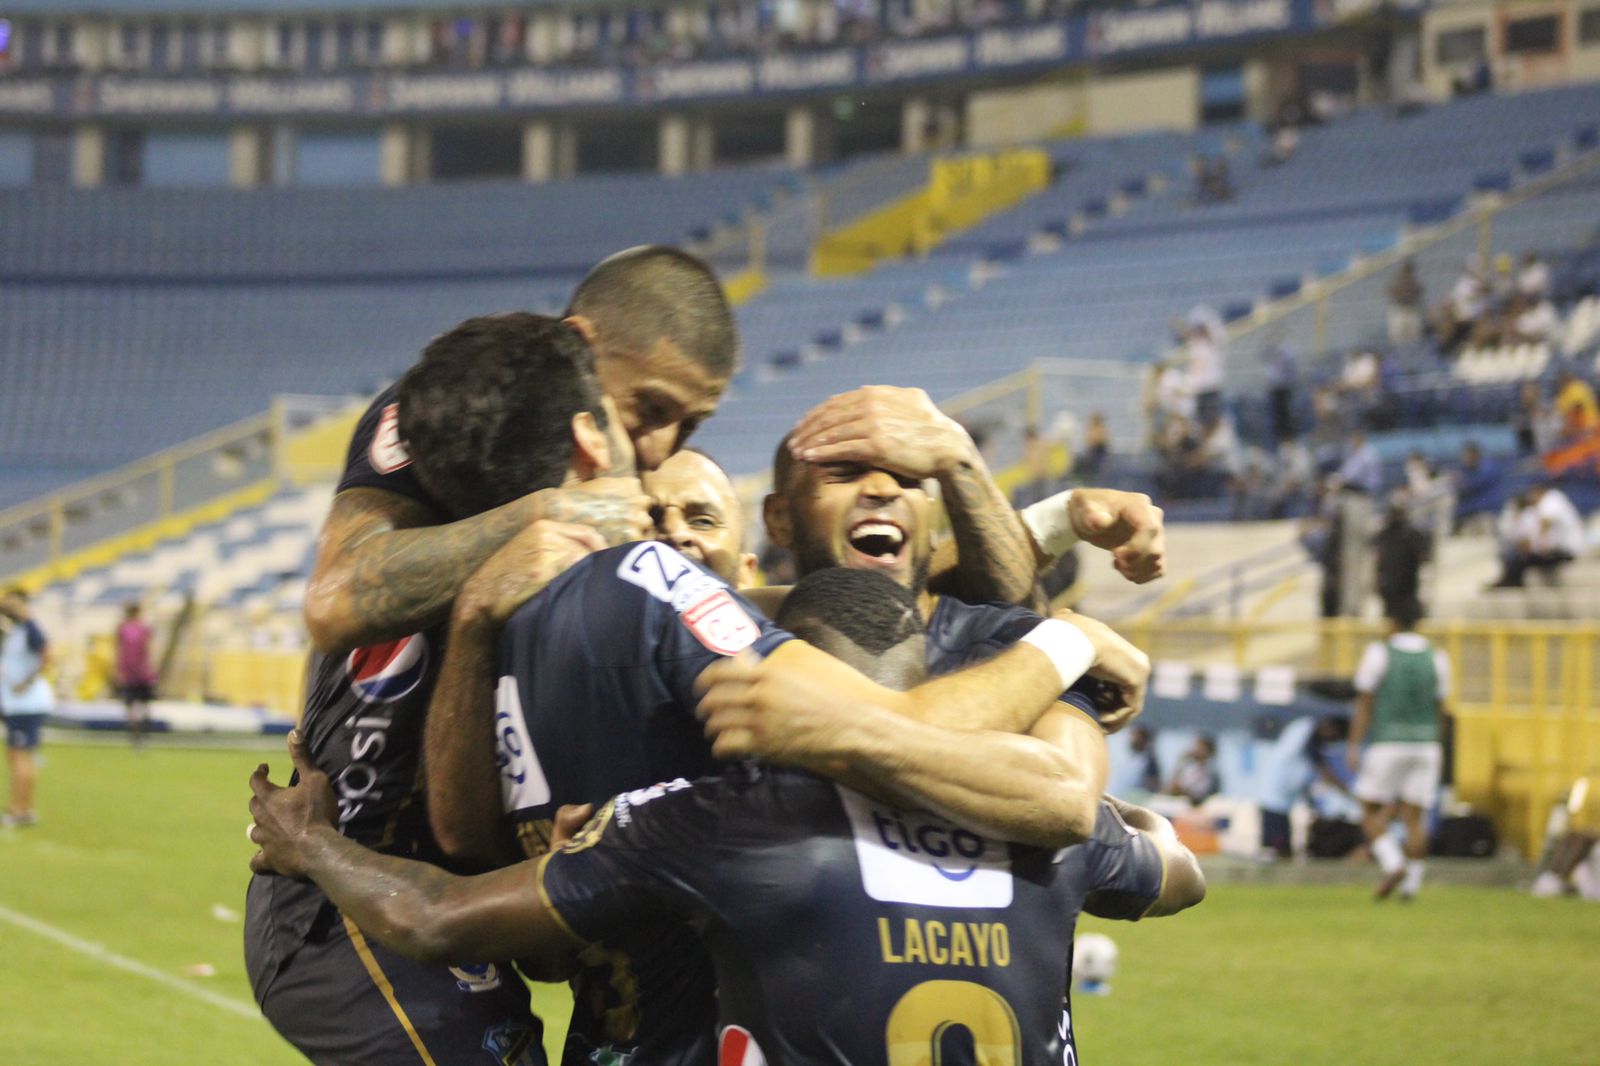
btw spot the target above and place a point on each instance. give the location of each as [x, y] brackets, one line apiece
[878, 542]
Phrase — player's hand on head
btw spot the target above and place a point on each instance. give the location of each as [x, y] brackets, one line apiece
[282, 817]
[791, 708]
[896, 429]
[524, 565]
[1118, 662]
[616, 508]
[1128, 525]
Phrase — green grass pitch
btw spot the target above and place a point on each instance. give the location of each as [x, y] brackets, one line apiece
[135, 852]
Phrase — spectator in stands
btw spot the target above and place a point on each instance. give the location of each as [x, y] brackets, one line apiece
[1283, 145]
[1096, 446]
[1040, 483]
[1575, 407]
[25, 698]
[1322, 537]
[1406, 298]
[1279, 358]
[135, 672]
[1478, 483]
[1327, 428]
[1530, 320]
[1361, 470]
[1533, 277]
[1297, 759]
[1213, 182]
[1361, 386]
[1195, 777]
[1204, 338]
[1140, 773]
[1400, 550]
[1547, 534]
[1536, 424]
[1454, 320]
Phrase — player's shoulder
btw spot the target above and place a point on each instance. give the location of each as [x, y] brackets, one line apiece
[671, 815]
[957, 625]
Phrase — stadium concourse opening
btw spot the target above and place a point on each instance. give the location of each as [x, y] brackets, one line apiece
[906, 487]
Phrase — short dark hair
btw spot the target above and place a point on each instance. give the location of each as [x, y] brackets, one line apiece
[1405, 616]
[644, 295]
[870, 610]
[784, 466]
[487, 413]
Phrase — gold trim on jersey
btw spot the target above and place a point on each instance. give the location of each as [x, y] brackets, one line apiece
[379, 978]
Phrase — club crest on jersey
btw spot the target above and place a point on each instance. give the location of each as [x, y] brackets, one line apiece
[914, 857]
[513, 1044]
[386, 453]
[482, 977]
[384, 673]
[702, 601]
[737, 1047]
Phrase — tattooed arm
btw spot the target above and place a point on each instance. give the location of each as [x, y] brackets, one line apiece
[384, 569]
[460, 772]
[902, 431]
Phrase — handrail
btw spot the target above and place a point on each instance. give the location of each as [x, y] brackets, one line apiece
[150, 464]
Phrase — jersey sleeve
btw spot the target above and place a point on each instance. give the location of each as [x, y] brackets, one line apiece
[1126, 870]
[1369, 672]
[691, 617]
[1441, 667]
[642, 854]
[377, 459]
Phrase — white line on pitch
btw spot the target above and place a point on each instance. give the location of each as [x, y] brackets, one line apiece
[100, 953]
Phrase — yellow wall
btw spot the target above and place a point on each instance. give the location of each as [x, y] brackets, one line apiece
[266, 678]
[960, 193]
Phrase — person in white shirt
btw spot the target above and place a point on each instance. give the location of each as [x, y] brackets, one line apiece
[1546, 535]
[1533, 279]
[1203, 368]
[1533, 320]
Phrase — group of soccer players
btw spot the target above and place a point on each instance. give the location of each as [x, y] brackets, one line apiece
[849, 822]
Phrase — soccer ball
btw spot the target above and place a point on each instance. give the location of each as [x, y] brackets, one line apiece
[1094, 961]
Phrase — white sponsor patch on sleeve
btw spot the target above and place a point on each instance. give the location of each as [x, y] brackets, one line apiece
[386, 453]
[522, 780]
[914, 857]
[704, 603]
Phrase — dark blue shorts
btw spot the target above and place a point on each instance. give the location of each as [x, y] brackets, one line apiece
[22, 731]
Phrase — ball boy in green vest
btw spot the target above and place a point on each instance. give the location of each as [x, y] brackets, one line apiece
[1402, 684]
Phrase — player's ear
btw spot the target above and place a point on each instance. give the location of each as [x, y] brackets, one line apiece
[780, 525]
[747, 571]
[585, 327]
[591, 452]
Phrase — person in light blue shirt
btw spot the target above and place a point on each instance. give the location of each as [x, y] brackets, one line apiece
[1134, 770]
[1361, 469]
[1296, 760]
[25, 698]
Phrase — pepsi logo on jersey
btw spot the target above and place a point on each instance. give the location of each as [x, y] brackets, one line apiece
[384, 673]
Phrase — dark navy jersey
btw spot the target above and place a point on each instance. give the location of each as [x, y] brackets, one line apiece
[364, 710]
[596, 696]
[377, 459]
[597, 676]
[845, 931]
[963, 634]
